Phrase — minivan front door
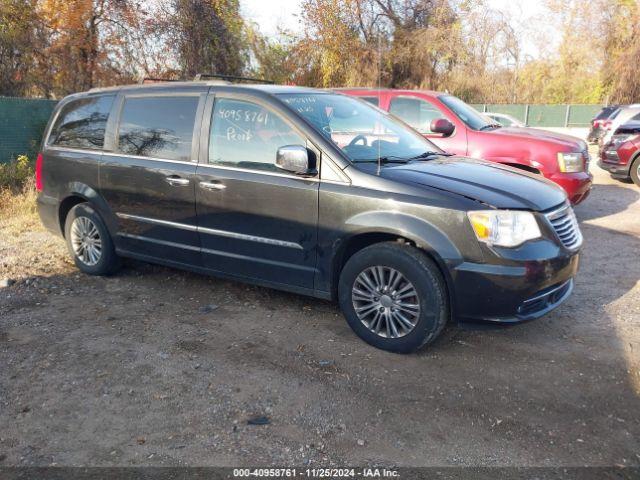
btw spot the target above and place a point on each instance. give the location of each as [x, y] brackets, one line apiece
[147, 176]
[255, 221]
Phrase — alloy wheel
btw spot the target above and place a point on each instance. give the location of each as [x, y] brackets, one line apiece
[385, 302]
[86, 241]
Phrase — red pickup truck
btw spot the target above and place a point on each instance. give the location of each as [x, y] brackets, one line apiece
[458, 128]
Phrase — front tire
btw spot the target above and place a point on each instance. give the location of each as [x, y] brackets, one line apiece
[635, 171]
[89, 242]
[393, 297]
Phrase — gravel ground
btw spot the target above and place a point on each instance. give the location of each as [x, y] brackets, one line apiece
[160, 367]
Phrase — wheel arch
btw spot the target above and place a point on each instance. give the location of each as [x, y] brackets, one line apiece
[634, 163]
[405, 229]
[82, 193]
[634, 158]
[65, 207]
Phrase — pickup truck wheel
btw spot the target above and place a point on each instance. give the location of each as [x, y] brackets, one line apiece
[89, 242]
[393, 297]
[635, 171]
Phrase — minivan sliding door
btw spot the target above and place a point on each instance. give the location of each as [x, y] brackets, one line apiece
[148, 174]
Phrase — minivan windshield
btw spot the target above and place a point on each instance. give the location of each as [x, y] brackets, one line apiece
[469, 115]
[363, 132]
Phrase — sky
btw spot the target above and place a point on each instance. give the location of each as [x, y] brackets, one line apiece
[270, 14]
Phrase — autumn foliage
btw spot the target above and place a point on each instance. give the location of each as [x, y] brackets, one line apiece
[54, 47]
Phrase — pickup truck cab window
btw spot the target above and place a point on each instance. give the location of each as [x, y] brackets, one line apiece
[469, 115]
[372, 100]
[416, 112]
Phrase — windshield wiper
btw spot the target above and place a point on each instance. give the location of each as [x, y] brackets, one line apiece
[490, 125]
[395, 159]
[388, 159]
[426, 155]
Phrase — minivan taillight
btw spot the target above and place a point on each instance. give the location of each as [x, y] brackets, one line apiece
[39, 182]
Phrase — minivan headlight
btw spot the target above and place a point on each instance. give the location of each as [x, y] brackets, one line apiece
[570, 162]
[504, 228]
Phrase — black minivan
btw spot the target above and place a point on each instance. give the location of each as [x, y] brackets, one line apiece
[308, 191]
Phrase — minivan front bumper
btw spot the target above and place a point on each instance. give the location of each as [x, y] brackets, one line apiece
[513, 293]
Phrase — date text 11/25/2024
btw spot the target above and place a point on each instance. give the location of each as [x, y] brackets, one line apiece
[316, 472]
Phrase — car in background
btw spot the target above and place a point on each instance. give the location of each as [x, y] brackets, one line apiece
[505, 120]
[622, 116]
[460, 129]
[601, 121]
[621, 155]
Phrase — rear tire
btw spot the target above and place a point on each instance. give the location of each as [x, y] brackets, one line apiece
[393, 297]
[89, 242]
[635, 171]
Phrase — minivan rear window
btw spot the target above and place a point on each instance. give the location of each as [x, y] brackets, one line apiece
[158, 127]
[81, 123]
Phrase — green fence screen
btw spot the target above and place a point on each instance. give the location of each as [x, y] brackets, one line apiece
[22, 122]
[545, 115]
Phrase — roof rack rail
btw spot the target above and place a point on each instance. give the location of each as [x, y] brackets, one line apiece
[231, 78]
[156, 80]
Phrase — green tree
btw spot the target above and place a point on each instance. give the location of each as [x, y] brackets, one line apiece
[622, 44]
[209, 37]
[20, 43]
[271, 59]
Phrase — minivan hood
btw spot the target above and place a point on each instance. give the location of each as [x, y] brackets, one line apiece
[569, 142]
[492, 184]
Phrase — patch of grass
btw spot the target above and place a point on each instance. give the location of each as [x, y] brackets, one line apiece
[18, 197]
[16, 174]
[18, 209]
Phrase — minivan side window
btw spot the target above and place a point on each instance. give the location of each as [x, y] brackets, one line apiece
[81, 123]
[247, 135]
[416, 112]
[158, 126]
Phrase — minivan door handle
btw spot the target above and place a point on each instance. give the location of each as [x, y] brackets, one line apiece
[176, 181]
[213, 185]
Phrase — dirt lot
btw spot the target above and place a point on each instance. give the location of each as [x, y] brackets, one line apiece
[160, 367]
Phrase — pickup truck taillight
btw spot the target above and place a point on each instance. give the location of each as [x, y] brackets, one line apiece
[39, 182]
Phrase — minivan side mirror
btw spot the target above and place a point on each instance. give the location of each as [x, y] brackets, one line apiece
[443, 126]
[296, 159]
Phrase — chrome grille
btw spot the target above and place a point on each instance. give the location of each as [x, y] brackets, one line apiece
[565, 224]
